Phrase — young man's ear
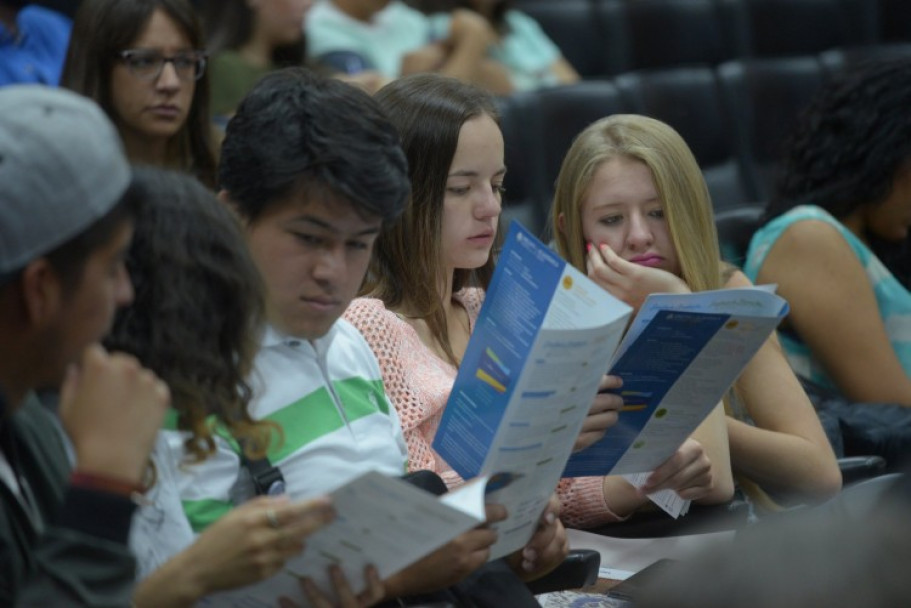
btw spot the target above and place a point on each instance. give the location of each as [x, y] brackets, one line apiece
[42, 292]
[224, 197]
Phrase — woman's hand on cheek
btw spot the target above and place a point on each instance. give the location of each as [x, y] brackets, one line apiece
[627, 281]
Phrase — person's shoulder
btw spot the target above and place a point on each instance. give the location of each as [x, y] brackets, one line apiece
[366, 310]
[399, 9]
[345, 337]
[516, 18]
[471, 298]
[807, 226]
[45, 29]
[734, 277]
[34, 15]
[813, 230]
[323, 10]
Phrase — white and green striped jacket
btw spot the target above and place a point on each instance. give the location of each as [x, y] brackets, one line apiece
[327, 396]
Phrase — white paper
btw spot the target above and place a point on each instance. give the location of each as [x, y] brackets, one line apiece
[381, 521]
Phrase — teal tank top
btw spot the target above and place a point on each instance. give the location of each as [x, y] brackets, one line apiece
[892, 298]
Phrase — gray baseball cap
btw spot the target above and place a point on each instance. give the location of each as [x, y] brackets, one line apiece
[62, 167]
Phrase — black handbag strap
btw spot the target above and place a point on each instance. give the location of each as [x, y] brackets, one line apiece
[267, 478]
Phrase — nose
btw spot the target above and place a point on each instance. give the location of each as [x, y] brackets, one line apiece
[489, 204]
[329, 265]
[639, 237]
[168, 80]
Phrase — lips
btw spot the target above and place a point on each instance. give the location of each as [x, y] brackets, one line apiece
[320, 303]
[482, 236]
[166, 111]
[649, 259]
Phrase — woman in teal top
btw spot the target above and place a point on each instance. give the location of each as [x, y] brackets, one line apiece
[845, 190]
[530, 58]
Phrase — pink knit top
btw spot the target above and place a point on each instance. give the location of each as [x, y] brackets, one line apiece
[418, 383]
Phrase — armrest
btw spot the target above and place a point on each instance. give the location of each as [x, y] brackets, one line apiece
[579, 569]
[857, 468]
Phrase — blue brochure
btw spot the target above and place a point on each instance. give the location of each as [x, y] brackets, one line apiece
[540, 346]
[679, 357]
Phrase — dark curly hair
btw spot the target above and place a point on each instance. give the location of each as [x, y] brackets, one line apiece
[197, 310]
[850, 141]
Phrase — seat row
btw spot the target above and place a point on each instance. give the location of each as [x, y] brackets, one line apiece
[606, 37]
[734, 117]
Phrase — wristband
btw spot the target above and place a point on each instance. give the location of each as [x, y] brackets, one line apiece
[106, 484]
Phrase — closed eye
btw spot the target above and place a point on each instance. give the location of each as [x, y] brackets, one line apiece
[307, 239]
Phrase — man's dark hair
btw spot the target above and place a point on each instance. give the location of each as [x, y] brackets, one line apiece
[298, 131]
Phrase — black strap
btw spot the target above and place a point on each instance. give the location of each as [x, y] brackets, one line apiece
[267, 478]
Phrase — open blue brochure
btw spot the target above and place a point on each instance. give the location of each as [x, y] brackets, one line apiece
[680, 355]
[529, 375]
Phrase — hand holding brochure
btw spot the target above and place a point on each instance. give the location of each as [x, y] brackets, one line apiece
[679, 357]
[528, 378]
[381, 521]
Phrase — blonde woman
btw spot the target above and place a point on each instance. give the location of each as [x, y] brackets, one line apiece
[632, 210]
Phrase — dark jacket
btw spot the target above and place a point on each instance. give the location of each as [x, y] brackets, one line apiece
[70, 548]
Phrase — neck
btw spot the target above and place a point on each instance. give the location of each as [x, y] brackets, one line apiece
[15, 366]
[18, 352]
[258, 49]
[144, 150]
[8, 18]
[354, 10]
[446, 292]
[855, 223]
[12, 394]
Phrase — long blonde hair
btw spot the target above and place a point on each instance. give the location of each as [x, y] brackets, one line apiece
[678, 179]
[684, 199]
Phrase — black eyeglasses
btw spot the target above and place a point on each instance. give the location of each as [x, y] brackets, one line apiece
[147, 64]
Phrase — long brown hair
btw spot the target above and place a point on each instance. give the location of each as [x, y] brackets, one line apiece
[198, 308]
[406, 270]
[103, 28]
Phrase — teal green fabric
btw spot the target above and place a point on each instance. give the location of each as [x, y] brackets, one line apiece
[892, 298]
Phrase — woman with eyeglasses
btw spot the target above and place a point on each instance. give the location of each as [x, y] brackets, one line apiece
[142, 61]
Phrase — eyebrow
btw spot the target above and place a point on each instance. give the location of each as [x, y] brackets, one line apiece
[615, 203]
[468, 173]
[323, 224]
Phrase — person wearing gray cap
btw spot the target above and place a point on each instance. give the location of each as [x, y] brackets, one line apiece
[65, 224]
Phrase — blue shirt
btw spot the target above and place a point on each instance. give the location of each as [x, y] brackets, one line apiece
[36, 53]
[524, 50]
